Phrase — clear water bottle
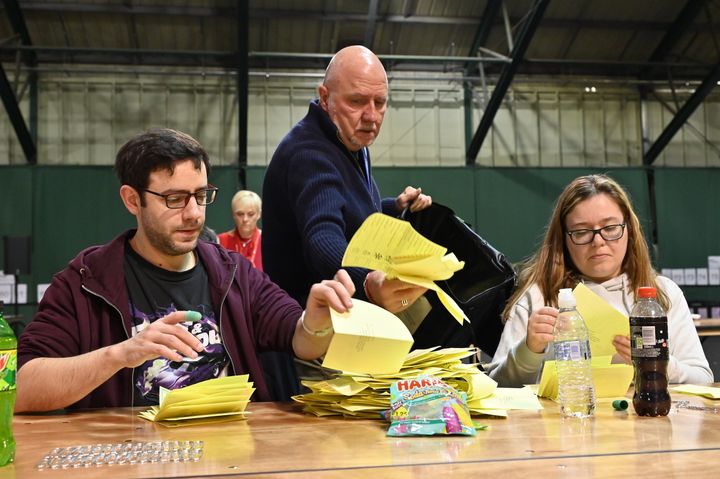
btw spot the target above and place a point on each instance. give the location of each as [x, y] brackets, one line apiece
[571, 343]
[650, 355]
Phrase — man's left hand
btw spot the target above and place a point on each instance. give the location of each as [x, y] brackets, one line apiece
[414, 198]
[391, 294]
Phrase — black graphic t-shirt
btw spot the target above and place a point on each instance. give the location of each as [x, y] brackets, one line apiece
[154, 293]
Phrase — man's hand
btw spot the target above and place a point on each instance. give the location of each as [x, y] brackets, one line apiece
[165, 337]
[540, 328]
[413, 197]
[46, 384]
[336, 293]
[391, 294]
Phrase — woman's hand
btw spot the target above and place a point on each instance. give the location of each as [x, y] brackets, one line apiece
[622, 346]
[540, 328]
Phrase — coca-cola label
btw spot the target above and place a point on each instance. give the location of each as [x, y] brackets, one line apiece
[649, 338]
[8, 367]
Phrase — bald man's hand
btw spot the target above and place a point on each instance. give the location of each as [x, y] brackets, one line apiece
[414, 198]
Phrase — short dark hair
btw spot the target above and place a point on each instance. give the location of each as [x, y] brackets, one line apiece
[156, 149]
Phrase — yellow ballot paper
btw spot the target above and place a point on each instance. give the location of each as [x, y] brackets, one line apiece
[510, 398]
[610, 380]
[219, 399]
[392, 246]
[368, 339]
[705, 391]
[603, 321]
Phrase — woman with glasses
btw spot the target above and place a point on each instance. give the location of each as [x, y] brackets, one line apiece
[593, 237]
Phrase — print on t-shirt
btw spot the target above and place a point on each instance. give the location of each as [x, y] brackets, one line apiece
[209, 364]
[154, 293]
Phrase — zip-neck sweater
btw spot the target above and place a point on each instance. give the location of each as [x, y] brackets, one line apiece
[86, 307]
[514, 364]
[316, 194]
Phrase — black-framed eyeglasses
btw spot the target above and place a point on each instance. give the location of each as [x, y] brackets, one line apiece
[608, 233]
[176, 201]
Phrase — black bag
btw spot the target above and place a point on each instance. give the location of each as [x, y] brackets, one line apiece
[481, 288]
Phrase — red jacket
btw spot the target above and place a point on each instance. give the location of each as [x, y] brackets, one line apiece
[251, 249]
[86, 307]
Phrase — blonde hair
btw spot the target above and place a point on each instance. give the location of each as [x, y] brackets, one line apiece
[552, 268]
[246, 197]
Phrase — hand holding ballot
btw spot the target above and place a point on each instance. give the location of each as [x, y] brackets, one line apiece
[392, 294]
[392, 247]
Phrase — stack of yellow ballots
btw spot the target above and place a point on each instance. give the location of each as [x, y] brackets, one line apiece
[358, 395]
[214, 400]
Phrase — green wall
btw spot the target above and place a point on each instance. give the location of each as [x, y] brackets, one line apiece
[66, 209]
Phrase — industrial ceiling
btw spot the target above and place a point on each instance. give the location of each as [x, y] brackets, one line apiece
[642, 42]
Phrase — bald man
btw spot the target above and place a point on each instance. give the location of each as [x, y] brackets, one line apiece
[319, 187]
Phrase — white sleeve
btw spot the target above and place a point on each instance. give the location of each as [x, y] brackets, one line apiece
[688, 363]
[513, 364]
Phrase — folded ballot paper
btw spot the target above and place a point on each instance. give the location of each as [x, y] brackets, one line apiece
[214, 400]
[709, 392]
[367, 339]
[392, 246]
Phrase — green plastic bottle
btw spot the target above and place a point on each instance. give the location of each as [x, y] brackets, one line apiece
[8, 368]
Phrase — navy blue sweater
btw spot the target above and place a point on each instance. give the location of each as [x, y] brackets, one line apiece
[315, 196]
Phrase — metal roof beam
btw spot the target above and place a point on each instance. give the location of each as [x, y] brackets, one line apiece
[121, 9]
[409, 7]
[682, 115]
[506, 78]
[684, 19]
[26, 137]
[16, 118]
[190, 11]
[15, 15]
[483, 30]
[481, 35]
[243, 46]
[371, 24]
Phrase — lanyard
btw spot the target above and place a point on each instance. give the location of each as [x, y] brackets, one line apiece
[363, 156]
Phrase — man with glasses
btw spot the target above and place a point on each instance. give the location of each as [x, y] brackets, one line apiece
[156, 308]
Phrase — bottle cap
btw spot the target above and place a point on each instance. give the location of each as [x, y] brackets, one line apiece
[566, 299]
[620, 404]
[646, 292]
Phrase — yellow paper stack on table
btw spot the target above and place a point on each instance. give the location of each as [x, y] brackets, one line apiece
[610, 380]
[390, 245]
[368, 395]
[214, 400]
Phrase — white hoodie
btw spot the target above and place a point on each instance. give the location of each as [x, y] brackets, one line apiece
[514, 364]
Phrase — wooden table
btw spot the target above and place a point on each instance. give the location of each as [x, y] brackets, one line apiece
[707, 327]
[279, 441]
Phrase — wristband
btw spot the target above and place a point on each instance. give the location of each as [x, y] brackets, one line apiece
[367, 292]
[319, 333]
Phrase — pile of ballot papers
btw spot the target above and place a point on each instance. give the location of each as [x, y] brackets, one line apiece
[368, 395]
[214, 400]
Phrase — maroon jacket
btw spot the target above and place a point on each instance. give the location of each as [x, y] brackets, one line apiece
[86, 307]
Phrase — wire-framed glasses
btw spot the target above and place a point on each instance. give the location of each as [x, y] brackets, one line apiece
[174, 201]
[608, 233]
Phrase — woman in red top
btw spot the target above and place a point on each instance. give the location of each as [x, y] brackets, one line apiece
[245, 237]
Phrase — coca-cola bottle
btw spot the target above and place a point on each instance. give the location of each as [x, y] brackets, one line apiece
[650, 355]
